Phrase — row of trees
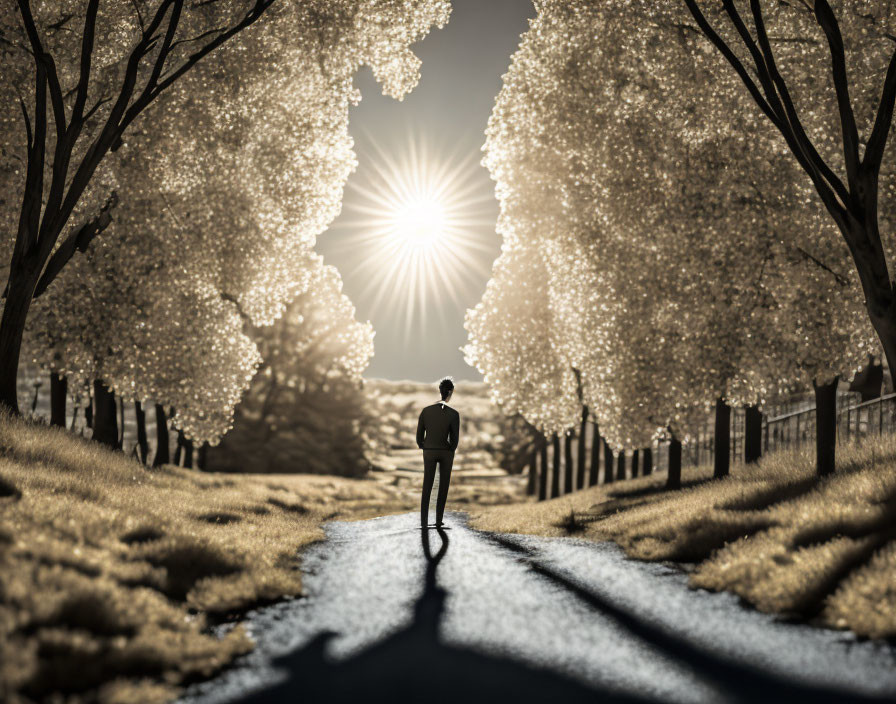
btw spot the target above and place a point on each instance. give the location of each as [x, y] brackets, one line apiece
[166, 168]
[664, 253]
[300, 411]
[576, 463]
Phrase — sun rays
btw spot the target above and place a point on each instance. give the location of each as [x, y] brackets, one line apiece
[418, 228]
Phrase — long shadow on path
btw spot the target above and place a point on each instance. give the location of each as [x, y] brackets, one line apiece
[414, 665]
[738, 681]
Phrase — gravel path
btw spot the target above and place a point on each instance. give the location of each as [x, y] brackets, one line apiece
[396, 614]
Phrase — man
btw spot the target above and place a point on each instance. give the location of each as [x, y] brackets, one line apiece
[437, 432]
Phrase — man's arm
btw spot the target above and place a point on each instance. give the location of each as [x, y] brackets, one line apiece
[455, 431]
[420, 431]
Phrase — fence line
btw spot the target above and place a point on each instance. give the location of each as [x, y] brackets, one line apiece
[795, 428]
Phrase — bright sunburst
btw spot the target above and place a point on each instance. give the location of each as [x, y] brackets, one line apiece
[417, 230]
[419, 223]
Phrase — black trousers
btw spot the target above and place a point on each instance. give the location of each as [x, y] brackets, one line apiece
[444, 459]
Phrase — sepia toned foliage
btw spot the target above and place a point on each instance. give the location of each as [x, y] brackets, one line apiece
[219, 197]
[515, 340]
[688, 261]
[239, 167]
[304, 408]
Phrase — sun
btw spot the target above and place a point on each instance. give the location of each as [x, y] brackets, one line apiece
[419, 224]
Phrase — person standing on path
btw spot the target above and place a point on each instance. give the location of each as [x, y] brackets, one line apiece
[437, 434]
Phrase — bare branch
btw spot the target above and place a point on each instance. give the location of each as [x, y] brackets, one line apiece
[28, 134]
[253, 15]
[64, 140]
[78, 241]
[173, 22]
[874, 151]
[86, 56]
[97, 105]
[110, 132]
[839, 278]
[21, 242]
[41, 57]
[216, 30]
[801, 139]
[732, 59]
[29, 220]
[56, 99]
[823, 186]
[828, 22]
[56, 26]
[140, 21]
[30, 28]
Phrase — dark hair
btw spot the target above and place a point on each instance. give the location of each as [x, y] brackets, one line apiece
[446, 386]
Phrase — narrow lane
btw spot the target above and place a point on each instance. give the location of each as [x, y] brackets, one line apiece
[395, 614]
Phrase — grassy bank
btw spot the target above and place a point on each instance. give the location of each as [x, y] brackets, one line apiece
[786, 542]
[110, 572]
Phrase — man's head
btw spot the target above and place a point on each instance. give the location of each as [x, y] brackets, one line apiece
[446, 388]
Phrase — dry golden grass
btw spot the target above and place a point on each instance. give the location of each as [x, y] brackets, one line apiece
[785, 541]
[110, 572]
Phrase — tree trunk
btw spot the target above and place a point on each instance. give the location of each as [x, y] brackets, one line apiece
[105, 423]
[532, 483]
[19, 291]
[825, 426]
[179, 448]
[567, 463]
[862, 235]
[88, 411]
[58, 396]
[620, 466]
[595, 455]
[722, 452]
[162, 452]
[636, 460]
[142, 442]
[647, 462]
[608, 464]
[673, 480]
[555, 461]
[188, 453]
[202, 457]
[543, 477]
[121, 424]
[580, 457]
[752, 434]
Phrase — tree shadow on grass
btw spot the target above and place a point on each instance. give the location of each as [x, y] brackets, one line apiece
[769, 496]
[655, 489]
[620, 501]
[871, 533]
[414, 665]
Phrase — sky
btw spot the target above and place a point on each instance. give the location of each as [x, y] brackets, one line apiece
[442, 122]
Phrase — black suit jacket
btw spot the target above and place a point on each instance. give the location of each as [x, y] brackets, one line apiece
[438, 428]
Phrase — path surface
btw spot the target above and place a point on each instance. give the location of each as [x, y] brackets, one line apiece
[397, 614]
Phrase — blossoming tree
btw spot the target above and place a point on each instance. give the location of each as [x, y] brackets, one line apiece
[79, 75]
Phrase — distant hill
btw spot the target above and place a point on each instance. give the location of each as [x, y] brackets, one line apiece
[398, 404]
[489, 440]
